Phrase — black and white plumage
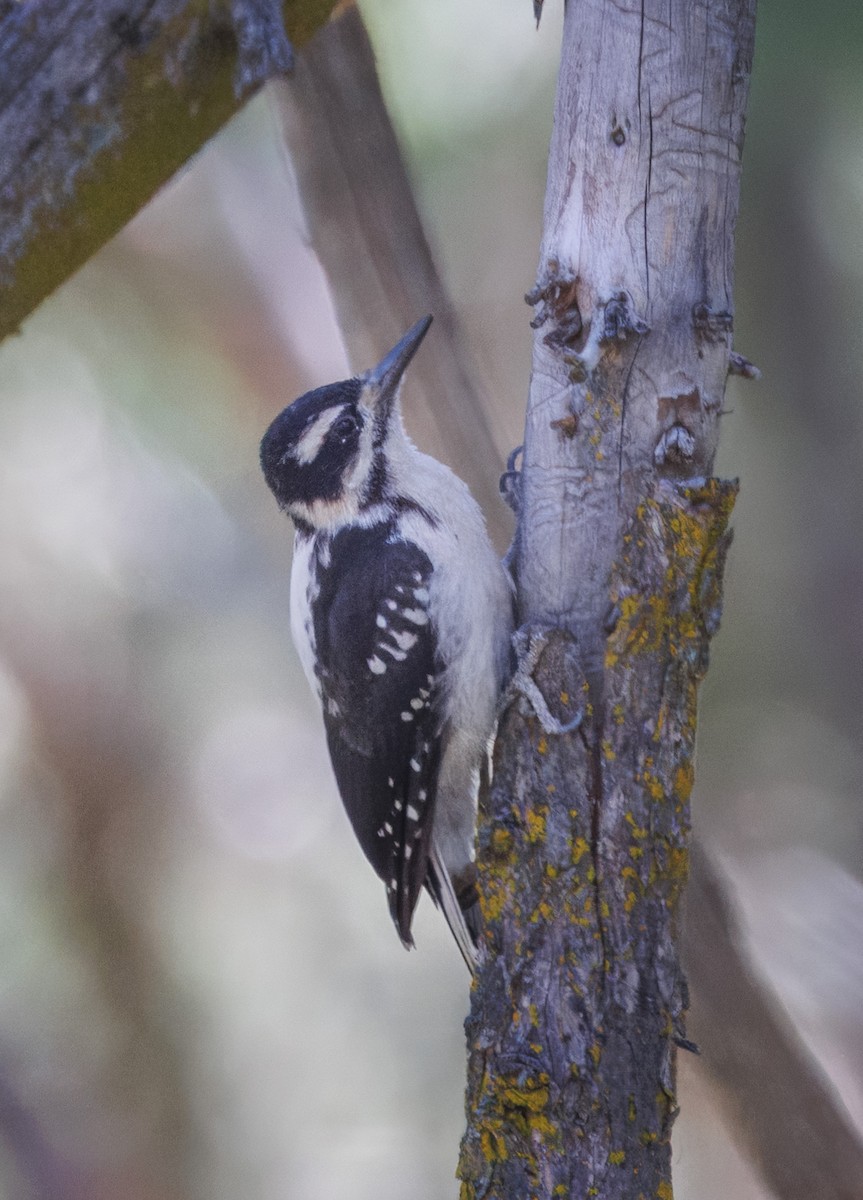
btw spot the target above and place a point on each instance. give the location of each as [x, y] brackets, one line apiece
[402, 614]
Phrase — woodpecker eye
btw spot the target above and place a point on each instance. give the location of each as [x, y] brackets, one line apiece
[346, 425]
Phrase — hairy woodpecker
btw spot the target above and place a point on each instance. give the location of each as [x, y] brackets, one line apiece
[401, 613]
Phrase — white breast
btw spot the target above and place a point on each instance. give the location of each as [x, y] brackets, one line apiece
[304, 588]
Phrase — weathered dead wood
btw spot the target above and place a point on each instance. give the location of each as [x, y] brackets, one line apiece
[583, 846]
[367, 233]
[101, 103]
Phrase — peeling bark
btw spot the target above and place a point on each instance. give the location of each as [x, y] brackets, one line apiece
[583, 842]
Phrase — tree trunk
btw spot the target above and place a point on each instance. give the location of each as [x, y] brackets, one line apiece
[583, 841]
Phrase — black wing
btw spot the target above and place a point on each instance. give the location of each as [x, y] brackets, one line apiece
[377, 664]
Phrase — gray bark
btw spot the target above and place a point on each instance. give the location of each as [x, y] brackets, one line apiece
[583, 842]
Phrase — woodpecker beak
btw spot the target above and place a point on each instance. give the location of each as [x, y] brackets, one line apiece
[386, 376]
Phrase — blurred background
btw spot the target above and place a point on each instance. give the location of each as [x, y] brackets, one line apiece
[202, 995]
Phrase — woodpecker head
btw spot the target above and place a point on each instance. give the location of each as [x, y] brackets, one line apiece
[323, 457]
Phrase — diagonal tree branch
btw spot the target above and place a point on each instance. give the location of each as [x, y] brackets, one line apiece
[797, 1130]
[100, 104]
[368, 234]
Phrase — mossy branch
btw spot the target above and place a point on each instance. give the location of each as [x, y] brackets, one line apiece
[100, 105]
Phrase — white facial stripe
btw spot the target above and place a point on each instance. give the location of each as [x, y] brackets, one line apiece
[309, 445]
[363, 463]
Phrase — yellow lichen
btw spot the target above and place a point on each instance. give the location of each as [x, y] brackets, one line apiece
[493, 1145]
[501, 841]
[580, 847]
[684, 777]
[535, 822]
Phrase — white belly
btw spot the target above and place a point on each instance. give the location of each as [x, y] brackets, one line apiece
[303, 585]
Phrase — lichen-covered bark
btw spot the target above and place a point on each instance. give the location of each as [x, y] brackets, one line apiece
[101, 103]
[572, 1033]
[622, 535]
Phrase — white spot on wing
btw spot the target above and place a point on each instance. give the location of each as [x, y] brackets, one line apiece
[416, 616]
[403, 640]
[413, 815]
[376, 665]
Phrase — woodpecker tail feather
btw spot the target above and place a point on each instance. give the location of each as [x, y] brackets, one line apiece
[463, 924]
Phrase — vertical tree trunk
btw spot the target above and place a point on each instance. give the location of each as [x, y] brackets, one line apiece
[583, 842]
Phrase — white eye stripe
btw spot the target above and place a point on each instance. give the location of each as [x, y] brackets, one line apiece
[309, 445]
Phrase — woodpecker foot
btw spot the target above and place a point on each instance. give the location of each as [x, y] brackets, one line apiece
[528, 643]
[510, 481]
